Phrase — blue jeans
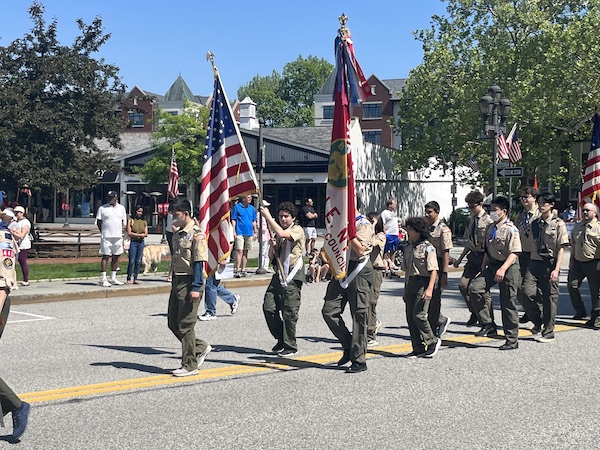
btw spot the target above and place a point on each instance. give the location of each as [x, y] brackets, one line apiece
[136, 250]
[212, 288]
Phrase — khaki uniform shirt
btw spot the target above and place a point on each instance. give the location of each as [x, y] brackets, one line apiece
[297, 245]
[364, 233]
[523, 222]
[502, 239]
[585, 240]
[9, 248]
[440, 236]
[377, 253]
[189, 246]
[420, 259]
[475, 232]
[549, 236]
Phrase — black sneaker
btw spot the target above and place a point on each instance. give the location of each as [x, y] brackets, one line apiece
[431, 350]
[287, 352]
[412, 355]
[345, 359]
[472, 320]
[524, 318]
[442, 328]
[580, 316]
[277, 348]
[507, 346]
[356, 367]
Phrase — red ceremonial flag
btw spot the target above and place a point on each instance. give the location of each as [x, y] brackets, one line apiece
[591, 177]
[514, 146]
[173, 187]
[226, 173]
[340, 204]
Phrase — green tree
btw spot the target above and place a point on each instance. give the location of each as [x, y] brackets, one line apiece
[286, 100]
[55, 102]
[186, 133]
[543, 53]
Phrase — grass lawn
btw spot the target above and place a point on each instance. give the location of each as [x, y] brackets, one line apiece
[83, 270]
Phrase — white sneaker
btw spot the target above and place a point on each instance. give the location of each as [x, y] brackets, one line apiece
[181, 372]
[207, 316]
[105, 283]
[372, 343]
[378, 326]
[202, 356]
[116, 282]
[235, 304]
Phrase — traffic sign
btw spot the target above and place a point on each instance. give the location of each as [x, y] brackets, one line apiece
[516, 172]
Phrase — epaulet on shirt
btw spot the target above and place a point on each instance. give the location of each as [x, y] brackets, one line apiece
[513, 227]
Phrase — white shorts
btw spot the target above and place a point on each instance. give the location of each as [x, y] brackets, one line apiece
[111, 246]
[243, 242]
[310, 232]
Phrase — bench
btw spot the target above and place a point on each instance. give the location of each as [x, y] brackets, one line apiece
[53, 242]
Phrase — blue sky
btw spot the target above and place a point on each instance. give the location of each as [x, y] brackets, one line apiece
[154, 41]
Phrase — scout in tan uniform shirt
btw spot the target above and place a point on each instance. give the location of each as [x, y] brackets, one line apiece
[500, 266]
[540, 286]
[474, 250]
[585, 263]
[189, 254]
[379, 240]
[281, 303]
[9, 401]
[420, 272]
[357, 295]
[523, 221]
[441, 238]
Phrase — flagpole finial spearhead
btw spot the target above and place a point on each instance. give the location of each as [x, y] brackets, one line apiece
[210, 56]
[343, 31]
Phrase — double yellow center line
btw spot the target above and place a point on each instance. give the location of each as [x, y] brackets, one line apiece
[237, 370]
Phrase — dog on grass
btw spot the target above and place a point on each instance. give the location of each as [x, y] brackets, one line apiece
[153, 255]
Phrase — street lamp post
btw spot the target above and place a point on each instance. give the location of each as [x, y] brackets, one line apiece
[494, 108]
[260, 156]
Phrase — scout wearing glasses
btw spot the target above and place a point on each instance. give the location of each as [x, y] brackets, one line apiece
[585, 263]
[540, 286]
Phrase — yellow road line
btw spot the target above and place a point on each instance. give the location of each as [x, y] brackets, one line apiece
[237, 370]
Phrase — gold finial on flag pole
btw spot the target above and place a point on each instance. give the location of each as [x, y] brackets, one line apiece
[343, 30]
[210, 56]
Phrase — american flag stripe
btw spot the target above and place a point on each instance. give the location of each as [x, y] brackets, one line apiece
[591, 177]
[173, 187]
[226, 173]
[502, 147]
[514, 146]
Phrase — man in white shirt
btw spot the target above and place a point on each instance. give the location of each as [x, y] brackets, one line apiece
[390, 227]
[111, 220]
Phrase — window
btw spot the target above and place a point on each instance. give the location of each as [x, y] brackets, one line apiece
[371, 110]
[136, 119]
[372, 136]
[328, 112]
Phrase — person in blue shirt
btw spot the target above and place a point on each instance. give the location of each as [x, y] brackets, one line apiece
[245, 230]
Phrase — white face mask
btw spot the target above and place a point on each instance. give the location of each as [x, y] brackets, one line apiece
[494, 216]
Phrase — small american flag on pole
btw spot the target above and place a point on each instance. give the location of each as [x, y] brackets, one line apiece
[591, 177]
[472, 163]
[173, 188]
[502, 146]
[226, 173]
[514, 146]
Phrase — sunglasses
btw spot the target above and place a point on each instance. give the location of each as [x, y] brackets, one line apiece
[587, 210]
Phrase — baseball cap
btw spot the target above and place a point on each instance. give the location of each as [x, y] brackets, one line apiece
[19, 209]
[266, 203]
[112, 194]
[7, 212]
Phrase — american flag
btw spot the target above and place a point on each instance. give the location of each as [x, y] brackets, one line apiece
[514, 146]
[591, 177]
[173, 187]
[226, 173]
[472, 163]
[502, 146]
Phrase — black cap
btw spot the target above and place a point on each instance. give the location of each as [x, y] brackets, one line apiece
[112, 194]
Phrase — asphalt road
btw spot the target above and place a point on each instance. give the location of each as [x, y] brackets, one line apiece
[105, 365]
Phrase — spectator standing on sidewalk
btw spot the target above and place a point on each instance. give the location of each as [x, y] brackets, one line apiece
[373, 323]
[391, 230]
[111, 220]
[9, 401]
[20, 230]
[309, 222]
[243, 220]
[190, 253]
[137, 230]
